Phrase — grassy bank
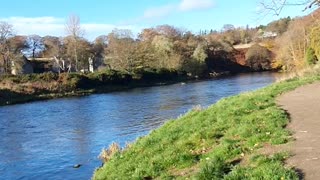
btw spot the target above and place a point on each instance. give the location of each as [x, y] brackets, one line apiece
[221, 142]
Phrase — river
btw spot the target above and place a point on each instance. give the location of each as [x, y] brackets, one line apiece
[43, 140]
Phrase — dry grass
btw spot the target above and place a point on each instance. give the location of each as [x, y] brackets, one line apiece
[311, 70]
[197, 108]
[107, 154]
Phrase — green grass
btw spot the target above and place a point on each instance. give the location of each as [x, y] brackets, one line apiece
[211, 143]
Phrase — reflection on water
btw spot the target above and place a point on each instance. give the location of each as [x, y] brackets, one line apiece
[43, 140]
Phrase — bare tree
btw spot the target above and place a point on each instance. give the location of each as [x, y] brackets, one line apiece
[36, 44]
[75, 32]
[6, 31]
[73, 26]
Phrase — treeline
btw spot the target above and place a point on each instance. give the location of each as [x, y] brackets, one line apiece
[161, 47]
[299, 46]
[168, 48]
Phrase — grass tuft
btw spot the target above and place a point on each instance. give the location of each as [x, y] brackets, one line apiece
[107, 154]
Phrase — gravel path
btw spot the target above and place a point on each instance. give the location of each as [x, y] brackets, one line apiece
[303, 106]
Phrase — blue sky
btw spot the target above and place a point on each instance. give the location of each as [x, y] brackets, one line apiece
[99, 17]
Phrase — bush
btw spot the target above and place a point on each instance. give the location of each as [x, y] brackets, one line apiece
[151, 75]
[311, 57]
[110, 77]
[49, 76]
[73, 81]
[258, 58]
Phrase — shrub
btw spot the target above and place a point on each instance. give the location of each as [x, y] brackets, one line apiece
[48, 77]
[110, 77]
[151, 75]
[73, 81]
[311, 57]
[258, 58]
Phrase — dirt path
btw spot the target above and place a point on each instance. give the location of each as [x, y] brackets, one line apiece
[303, 106]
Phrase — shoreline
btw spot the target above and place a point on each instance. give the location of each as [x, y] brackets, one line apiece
[20, 98]
[238, 149]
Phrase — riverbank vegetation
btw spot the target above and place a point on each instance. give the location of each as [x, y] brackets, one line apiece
[224, 141]
[74, 66]
[163, 54]
[53, 67]
[24, 88]
[48, 67]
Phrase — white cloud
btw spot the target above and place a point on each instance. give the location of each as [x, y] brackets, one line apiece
[28, 20]
[36, 25]
[157, 12]
[182, 6]
[56, 26]
[189, 5]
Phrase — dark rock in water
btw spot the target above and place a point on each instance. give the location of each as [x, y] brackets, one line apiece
[77, 166]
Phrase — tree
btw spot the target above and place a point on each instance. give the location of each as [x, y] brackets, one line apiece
[17, 44]
[279, 26]
[199, 56]
[258, 58]
[292, 46]
[53, 47]
[228, 27]
[79, 52]
[100, 45]
[148, 34]
[315, 40]
[99, 49]
[164, 49]
[6, 32]
[311, 57]
[35, 44]
[75, 33]
[169, 31]
[120, 50]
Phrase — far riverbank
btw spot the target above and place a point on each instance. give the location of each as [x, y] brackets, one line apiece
[36, 87]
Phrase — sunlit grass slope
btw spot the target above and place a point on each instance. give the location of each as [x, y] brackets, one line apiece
[212, 143]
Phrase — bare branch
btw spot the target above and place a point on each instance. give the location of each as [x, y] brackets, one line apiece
[73, 27]
[6, 31]
[314, 2]
[276, 6]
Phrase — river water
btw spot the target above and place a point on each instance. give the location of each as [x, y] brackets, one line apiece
[43, 140]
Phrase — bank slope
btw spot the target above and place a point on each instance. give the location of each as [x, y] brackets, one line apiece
[212, 143]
